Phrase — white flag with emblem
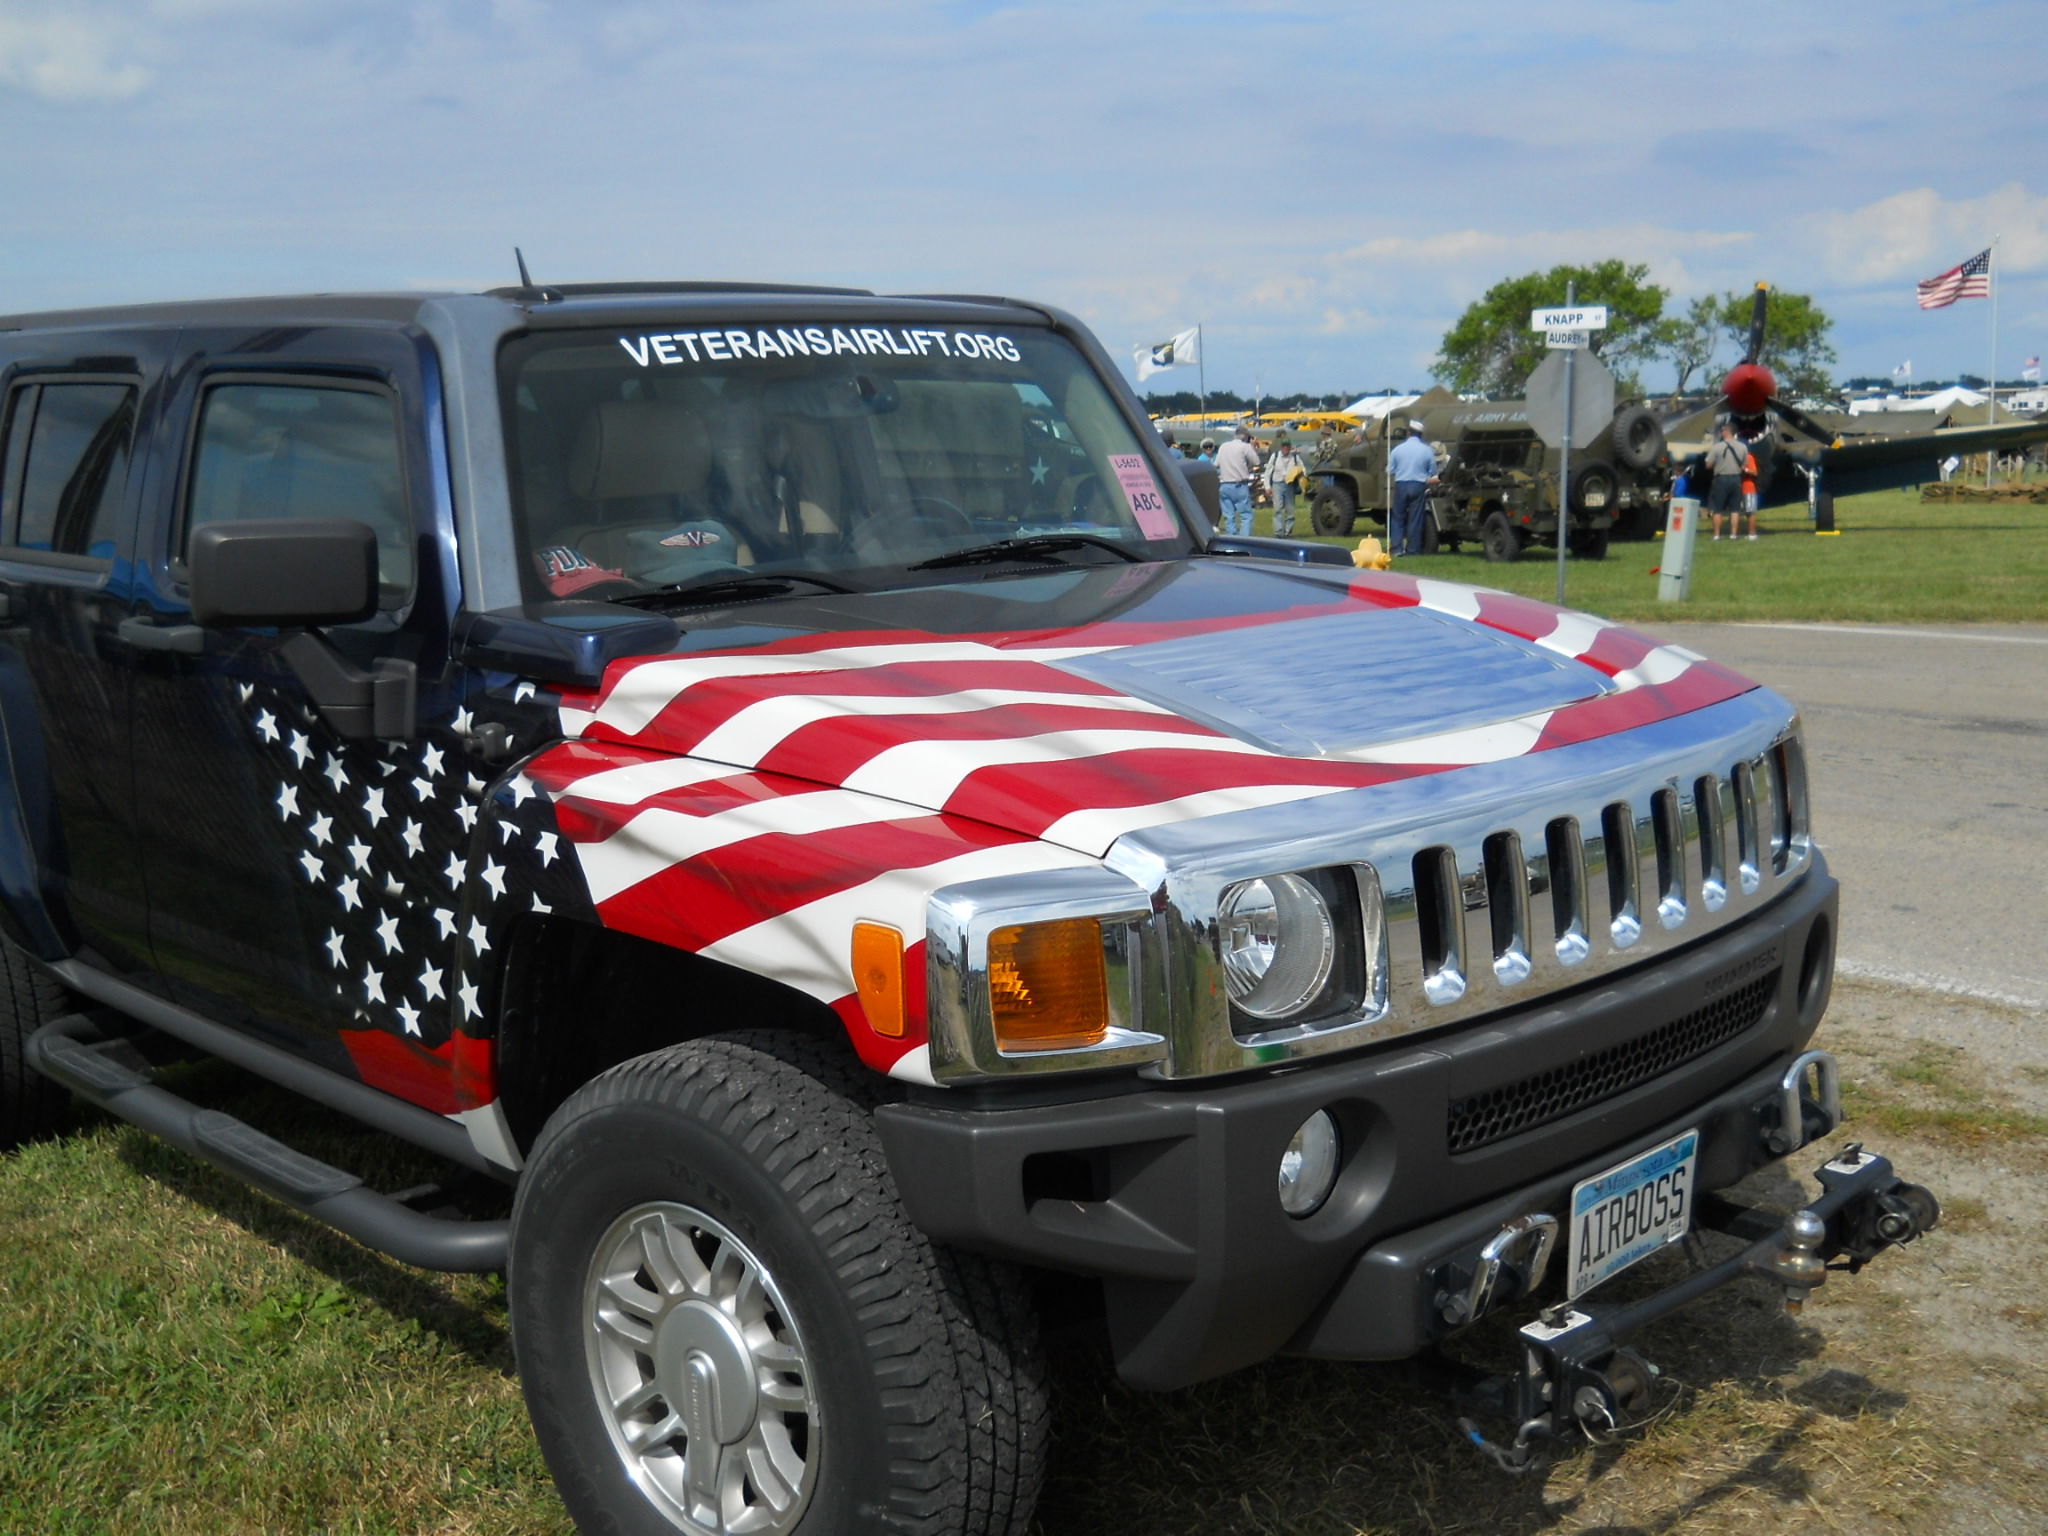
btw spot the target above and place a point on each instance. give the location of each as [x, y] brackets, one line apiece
[1182, 350]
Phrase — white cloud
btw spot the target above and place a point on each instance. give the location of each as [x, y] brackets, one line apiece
[66, 55]
[1919, 233]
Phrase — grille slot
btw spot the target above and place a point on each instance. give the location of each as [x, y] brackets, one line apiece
[1480, 1119]
[1624, 870]
[1440, 913]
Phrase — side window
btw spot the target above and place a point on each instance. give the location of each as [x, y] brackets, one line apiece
[303, 450]
[66, 465]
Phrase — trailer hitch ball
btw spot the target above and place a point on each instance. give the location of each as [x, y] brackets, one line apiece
[1800, 1265]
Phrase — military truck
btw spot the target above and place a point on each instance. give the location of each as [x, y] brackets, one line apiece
[1499, 481]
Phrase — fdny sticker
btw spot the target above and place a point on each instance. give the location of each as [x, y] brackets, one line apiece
[816, 341]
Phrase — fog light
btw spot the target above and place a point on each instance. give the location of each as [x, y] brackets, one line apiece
[1309, 1165]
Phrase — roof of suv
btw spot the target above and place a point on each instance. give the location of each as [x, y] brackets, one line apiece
[559, 299]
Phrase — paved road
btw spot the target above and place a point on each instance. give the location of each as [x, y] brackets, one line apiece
[1929, 757]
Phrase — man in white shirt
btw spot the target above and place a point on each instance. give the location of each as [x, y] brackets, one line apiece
[1237, 462]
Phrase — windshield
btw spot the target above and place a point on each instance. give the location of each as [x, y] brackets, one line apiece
[648, 459]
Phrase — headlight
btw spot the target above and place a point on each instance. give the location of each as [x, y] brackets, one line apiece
[1278, 943]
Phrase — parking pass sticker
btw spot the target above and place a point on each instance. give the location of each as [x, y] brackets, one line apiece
[1142, 492]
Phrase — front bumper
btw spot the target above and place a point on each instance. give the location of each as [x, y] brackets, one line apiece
[1167, 1192]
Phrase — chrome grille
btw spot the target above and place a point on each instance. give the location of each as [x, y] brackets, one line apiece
[1479, 1119]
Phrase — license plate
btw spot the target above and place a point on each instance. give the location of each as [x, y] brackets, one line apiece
[1624, 1215]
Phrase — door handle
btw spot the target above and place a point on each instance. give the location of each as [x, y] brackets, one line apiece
[184, 639]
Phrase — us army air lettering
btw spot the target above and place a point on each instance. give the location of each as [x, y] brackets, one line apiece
[727, 346]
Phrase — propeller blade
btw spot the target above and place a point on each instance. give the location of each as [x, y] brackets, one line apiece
[1756, 323]
[1793, 416]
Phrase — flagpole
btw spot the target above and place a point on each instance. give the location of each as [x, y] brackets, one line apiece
[1202, 373]
[1991, 415]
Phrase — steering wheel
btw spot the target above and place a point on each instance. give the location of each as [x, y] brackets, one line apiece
[927, 518]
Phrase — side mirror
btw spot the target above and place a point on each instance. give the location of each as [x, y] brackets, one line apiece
[286, 572]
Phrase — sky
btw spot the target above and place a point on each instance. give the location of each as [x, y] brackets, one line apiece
[1323, 187]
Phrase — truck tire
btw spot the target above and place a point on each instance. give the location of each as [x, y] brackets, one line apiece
[1498, 537]
[30, 1104]
[1334, 510]
[1589, 543]
[1638, 438]
[1594, 488]
[1430, 540]
[718, 1215]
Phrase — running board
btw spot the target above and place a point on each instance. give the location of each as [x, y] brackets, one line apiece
[69, 1051]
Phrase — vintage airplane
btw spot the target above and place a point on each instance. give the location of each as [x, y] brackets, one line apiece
[1799, 454]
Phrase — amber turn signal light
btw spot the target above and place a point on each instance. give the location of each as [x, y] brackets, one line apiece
[878, 976]
[1046, 985]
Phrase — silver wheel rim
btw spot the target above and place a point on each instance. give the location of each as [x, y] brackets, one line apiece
[700, 1374]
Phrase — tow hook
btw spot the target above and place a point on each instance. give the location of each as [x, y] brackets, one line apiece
[1577, 1376]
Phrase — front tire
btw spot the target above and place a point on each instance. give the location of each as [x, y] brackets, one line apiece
[1497, 535]
[707, 1247]
[1334, 510]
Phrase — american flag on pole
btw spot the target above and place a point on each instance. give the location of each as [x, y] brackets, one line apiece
[1972, 280]
[2032, 372]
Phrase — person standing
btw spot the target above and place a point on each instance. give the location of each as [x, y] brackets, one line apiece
[1749, 496]
[1413, 466]
[1724, 462]
[1282, 470]
[1172, 443]
[1237, 463]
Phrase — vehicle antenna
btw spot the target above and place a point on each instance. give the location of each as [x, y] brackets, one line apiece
[520, 257]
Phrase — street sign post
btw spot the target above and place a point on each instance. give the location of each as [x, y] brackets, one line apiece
[1565, 331]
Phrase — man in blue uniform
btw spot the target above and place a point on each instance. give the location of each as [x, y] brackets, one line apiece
[1413, 466]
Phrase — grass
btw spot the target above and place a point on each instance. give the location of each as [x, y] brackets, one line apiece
[1897, 560]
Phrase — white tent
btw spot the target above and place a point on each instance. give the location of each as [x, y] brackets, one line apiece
[1374, 407]
[1940, 402]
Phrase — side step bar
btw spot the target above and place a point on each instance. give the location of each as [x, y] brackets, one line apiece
[69, 1051]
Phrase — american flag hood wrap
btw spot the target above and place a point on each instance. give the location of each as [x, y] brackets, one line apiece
[752, 804]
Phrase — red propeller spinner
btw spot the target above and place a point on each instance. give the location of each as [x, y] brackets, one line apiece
[1748, 388]
[1751, 389]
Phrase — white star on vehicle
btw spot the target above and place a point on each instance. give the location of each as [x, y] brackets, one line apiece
[494, 877]
[266, 726]
[321, 830]
[414, 843]
[387, 768]
[471, 1008]
[313, 866]
[360, 852]
[476, 785]
[349, 899]
[388, 932]
[288, 801]
[1039, 470]
[393, 887]
[430, 984]
[466, 813]
[464, 722]
[336, 774]
[301, 748]
[373, 986]
[430, 759]
[541, 906]
[447, 921]
[454, 870]
[545, 841]
[373, 806]
[522, 790]
[479, 936]
[507, 830]
[246, 690]
[523, 692]
[424, 788]
[334, 948]
[410, 1017]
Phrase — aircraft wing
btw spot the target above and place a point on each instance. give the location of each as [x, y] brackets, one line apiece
[1873, 453]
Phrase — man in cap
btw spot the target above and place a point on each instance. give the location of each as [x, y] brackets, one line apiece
[1413, 466]
[1237, 464]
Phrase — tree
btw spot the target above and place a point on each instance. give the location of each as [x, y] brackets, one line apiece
[1795, 339]
[1491, 349]
[1692, 339]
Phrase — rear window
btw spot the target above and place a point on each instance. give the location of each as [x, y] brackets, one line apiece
[66, 466]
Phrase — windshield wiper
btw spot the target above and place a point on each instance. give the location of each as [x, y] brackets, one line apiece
[1035, 546]
[749, 585]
